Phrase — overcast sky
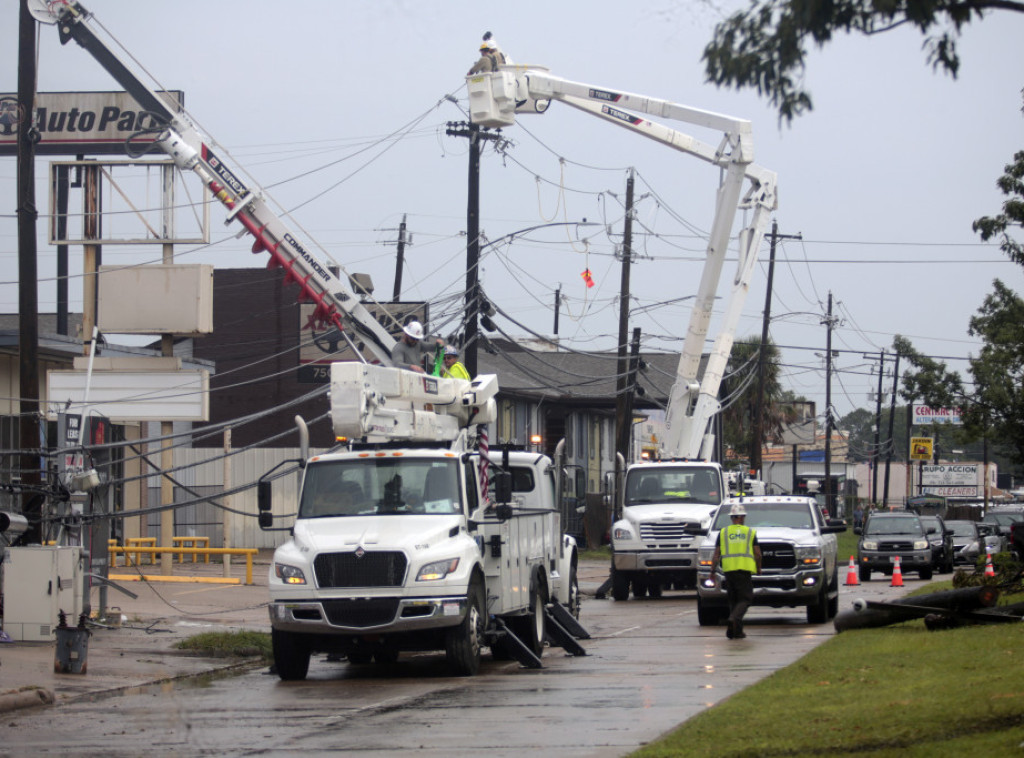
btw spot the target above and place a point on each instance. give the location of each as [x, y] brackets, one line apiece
[347, 100]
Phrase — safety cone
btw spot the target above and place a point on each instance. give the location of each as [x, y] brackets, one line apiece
[989, 568]
[851, 574]
[897, 574]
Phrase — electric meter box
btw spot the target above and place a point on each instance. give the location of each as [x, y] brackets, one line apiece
[39, 582]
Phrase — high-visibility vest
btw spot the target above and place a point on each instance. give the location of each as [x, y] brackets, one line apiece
[736, 545]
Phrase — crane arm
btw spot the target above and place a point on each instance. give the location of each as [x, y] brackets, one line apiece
[334, 303]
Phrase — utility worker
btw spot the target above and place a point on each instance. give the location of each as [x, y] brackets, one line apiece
[453, 369]
[491, 57]
[740, 558]
[410, 351]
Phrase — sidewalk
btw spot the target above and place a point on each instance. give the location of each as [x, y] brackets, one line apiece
[142, 650]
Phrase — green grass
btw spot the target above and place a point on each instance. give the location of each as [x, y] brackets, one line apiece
[601, 553]
[243, 644]
[898, 690]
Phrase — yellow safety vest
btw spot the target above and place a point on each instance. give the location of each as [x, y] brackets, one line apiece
[736, 545]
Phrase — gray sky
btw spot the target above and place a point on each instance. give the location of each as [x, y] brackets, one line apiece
[882, 179]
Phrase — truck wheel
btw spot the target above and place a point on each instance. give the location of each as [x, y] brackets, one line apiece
[530, 628]
[709, 615]
[654, 588]
[291, 655]
[926, 574]
[385, 656]
[462, 643]
[359, 657]
[818, 613]
[865, 574]
[833, 602]
[575, 600]
[620, 585]
[640, 588]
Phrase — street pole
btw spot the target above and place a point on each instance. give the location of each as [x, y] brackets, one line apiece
[878, 430]
[829, 505]
[623, 421]
[892, 419]
[397, 291]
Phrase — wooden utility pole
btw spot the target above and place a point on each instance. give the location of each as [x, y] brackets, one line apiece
[623, 406]
[28, 297]
[875, 457]
[829, 502]
[397, 292]
[892, 419]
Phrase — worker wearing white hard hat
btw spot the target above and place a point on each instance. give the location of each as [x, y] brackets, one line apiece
[737, 551]
[410, 352]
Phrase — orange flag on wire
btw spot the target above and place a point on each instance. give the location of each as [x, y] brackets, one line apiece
[587, 278]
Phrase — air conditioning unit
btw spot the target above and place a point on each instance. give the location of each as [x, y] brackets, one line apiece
[39, 582]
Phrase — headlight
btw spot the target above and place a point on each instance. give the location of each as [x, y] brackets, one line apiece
[622, 533]
[704, 556]
[869, 545]
[437, 570]
[808, 556]
[289, 574]
[921, 545]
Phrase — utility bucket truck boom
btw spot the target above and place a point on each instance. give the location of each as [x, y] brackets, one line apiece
[665, 505]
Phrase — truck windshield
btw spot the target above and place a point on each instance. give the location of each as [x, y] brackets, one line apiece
[389, 485]
[791, 515]
[674, 484]
[894, 525]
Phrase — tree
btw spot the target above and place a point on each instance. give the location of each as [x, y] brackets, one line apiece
[765, 46]
[1011, 184]
[992, 403]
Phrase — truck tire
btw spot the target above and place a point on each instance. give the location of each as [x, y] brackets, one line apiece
[833, 602]
[818, 612]
[709, 615]
[529, 628]
[620, 585]
[865, 574]
[291, 655]
[926, 573]
[462, 643]
[575, 600]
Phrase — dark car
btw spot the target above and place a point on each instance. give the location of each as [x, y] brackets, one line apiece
[885, 536]
[967, 541]
[1003, 519]
[941, 540]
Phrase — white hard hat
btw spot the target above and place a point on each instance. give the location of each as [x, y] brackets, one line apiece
[414, 329]
[738, 510]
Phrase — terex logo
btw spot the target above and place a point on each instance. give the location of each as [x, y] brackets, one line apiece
[224, 172]
[600, 94]
[629, 118]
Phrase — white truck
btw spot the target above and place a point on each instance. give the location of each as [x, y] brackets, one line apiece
[428, 555]
[664, 505]
[408, 548]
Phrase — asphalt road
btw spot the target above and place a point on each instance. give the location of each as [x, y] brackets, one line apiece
[649, 667]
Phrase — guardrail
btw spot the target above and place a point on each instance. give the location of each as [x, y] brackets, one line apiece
[137, 550]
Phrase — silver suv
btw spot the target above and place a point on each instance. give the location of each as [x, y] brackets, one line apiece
[887, 535]
[798, 558]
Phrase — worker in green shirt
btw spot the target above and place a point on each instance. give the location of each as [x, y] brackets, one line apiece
[452, 368]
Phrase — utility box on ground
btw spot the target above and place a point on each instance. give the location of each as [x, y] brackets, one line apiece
[39, 582]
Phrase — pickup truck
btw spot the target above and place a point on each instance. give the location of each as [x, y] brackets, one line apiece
[798, 559]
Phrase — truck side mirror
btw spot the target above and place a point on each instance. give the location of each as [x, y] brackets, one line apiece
[503, 512]
[503, 487]
[265, 519]
[264, 501]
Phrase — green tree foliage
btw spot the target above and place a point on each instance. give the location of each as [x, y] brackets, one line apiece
[1012, 185]
[992, 401]
[741, 398]
[765, 46]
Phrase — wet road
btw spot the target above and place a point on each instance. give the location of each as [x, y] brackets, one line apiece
[649, 667]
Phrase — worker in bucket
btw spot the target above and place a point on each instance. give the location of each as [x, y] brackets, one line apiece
[491, 57]
[453, 368]
[740, 557]
[410, 352]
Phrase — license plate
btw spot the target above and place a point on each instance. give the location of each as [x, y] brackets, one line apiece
[892, 558]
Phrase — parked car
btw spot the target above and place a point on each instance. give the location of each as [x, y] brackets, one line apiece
[941, 540]
[1003, 519]
[887, 535]
[994, 540]
[967, 541]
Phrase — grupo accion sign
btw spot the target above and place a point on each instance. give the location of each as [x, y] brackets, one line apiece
[82, 123]
[924, 414]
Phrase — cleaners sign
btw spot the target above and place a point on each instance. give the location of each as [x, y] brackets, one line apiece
[82, 123]
[952, 480]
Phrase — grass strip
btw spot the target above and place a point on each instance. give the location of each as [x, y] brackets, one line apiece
[229, 644]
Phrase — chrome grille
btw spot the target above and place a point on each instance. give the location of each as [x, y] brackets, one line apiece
[372, 569]
[777, 555]
[676, 531]
[361, 613]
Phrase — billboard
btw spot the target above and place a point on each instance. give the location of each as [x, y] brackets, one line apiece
[952, 479]
[924, 414]
[83, 123]
[921, 448]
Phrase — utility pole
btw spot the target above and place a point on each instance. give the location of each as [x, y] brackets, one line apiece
[474, 134]
[829, 504]
[623, 422]
[28, 297]
[558, 306]
[892, 420]
[397, 292]
[758, 440]
[878, 429]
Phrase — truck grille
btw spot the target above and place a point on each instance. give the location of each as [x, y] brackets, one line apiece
[777, 555]
[372, 569]
[889, 546]
[667, 531]
[361, 613]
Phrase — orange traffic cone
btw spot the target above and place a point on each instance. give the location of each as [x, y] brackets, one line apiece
[897, 574]
[989, 569]
[851, 574]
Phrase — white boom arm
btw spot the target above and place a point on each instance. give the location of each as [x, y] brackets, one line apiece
[496, 98]
[333, 300]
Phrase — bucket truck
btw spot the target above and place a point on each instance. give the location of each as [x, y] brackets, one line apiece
[393, 548]
[664, 506]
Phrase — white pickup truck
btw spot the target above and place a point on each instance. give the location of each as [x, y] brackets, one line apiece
[395, 549]
[798, 559]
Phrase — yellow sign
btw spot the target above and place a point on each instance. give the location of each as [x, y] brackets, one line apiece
[921, 448]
